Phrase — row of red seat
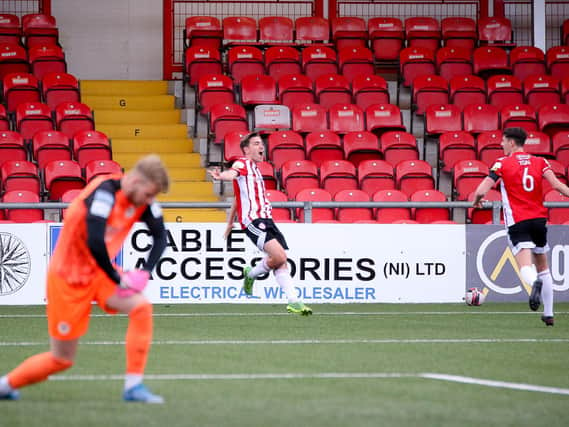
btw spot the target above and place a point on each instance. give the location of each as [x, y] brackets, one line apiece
[34, 30]
[38, 60]
[53, 89]
[32, 117]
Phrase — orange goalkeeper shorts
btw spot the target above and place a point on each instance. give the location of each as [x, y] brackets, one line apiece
[69, 306]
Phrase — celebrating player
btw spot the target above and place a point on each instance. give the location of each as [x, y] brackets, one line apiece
[254, 214]
[524, 213]
[80, 272]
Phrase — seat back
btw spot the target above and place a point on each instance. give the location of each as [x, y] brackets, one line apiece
[309, 118]
[390, 215]
[467, 174]
[338, 175]
[346, 118]
[101, 167]
[414, 175]
[323, 146]
[89, 145]
[360, 146]
[350, 215]
[22, 215]
[315, 195]
[60, 87]
[311, 29]
[50, 145]
[429, 215]
[61, 176]
[397, 146]
[375, 175]
[285, 145]
[297, 175]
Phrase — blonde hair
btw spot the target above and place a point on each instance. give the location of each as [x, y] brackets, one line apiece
[150, 167]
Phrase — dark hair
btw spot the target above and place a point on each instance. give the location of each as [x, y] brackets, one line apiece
[246, 139]
[519, 135]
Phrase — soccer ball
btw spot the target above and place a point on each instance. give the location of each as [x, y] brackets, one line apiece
[474, 297]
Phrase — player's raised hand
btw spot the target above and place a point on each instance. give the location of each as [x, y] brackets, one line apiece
[215, 173]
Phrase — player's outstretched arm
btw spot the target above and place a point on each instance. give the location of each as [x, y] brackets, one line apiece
[549, 175]
[226, 175]
[485, 186]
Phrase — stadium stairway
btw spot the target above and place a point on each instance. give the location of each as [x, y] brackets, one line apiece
[140, 117]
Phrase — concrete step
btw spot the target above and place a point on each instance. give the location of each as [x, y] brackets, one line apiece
[171, 160]
[194, 215]
[137, 145]
[129, 102]
[156, 117]
[124, 87]
[143, 130]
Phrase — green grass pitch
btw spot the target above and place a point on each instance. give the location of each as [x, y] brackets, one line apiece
[347, 365]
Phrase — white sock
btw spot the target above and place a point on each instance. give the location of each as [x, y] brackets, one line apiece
[285, 282]
[260, 268]
[5, 387]
[547, 292]
[132, 380]
[528, 274]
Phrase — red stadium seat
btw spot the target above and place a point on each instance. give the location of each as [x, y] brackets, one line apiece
[428, 215]
[387, 38]
[331, 89]
[22, 215]
[389, 215]
[18, 88]
[281, 61]
[58, 88]
[40, 30]
[4, 120]
[245, 61]
[557, 61]
[68, 197]
[50, 145]
[504, 90]
[61, 176]
[239, 30]
[557, 215]
[278, 214]
[381, 118]
[203, 31]
[296, 175]
[375, 175]
[10, 29]
[18, 175]
[397, 146]
[214, 89]
[101, 167]
[454, 147]
[414, 175]
[271, 117]
[338, 175]
[268, 172]
[224, 118]
[295, 89]
[465, 90]
[285, 145]
[32, 117]
[414, 62]
[441, 118]
[518, 115]
[72, 117]
[553, 118]
[540, 90]
[454, 62]
[489, 147]
[12, 147]
[423, 31]
[312, 29]
[355, 61]
[480, 118]
[467, 174]
[315, 195]
[276, 29]
[527, 61]
[495, 31]
[565, 33]
[13, 59]
[258, 89]
[345, 118]
[318, 61]
[46, 59]
[538, 143]
[90, 145]
[349, 31]
[309, 118]
[483, 216]
[201, 61]
[351, 215]
[459, 32]
[490, 61]
[560, 146]
[560, 172]
[368, 90]
[427, 90]
[231, 144]
[323, 146]
[361, 146]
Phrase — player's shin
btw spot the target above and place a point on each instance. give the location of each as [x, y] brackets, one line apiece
[138, 339]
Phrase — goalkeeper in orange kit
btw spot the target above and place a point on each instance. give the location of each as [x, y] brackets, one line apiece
[96, 224]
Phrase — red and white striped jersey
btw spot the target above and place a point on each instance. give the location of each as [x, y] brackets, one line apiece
[522, 179]
[249, 189]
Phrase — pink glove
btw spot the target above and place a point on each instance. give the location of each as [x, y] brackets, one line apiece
[133, 282]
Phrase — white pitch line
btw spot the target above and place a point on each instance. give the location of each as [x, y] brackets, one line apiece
[313, 341]
[325, 375]
[340, 313]
[496, 384]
